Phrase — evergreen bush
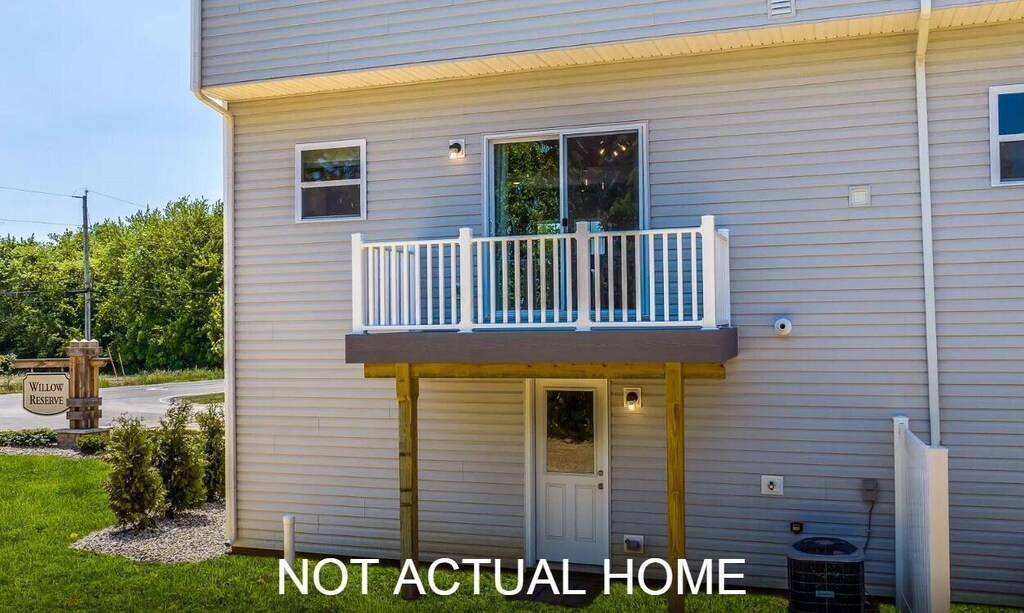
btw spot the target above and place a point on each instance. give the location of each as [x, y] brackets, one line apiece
[91, 444]
[211, 427]
[36, 437]
[133, 486]
[179, 459]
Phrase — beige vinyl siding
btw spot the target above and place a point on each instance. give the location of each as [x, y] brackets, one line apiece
[333, 463]
[979, 255]
[264, 39]
[472, 443]
[638, 485]
[769, 141]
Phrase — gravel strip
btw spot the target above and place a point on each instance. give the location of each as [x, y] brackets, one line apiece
[54, 451]
[190, 537]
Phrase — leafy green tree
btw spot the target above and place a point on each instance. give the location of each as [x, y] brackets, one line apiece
[180, 461]
[133, 486]
[39, 314]
[6, 369]
[157, 280]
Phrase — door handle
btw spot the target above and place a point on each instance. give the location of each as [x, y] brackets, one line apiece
[600, 486]
[600, 473]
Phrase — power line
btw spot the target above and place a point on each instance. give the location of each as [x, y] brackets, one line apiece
[113, 289]
[135, 204]
[35, 191]
[45, 193]
[101, 288]
[36, 221]
[25, 292]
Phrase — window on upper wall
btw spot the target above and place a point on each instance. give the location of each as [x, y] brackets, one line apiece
[330, 181]
[1006, 124]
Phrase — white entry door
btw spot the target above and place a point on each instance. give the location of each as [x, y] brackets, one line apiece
[572, 467]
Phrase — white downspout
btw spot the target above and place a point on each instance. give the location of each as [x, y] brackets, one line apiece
[229, 269]
[924, 162]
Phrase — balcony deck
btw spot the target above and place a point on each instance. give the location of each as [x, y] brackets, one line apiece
[628, 296]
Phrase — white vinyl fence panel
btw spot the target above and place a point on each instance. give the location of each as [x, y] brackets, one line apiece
[922, 522]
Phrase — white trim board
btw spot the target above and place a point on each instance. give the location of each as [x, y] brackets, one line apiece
[993, 133]
[361, 181]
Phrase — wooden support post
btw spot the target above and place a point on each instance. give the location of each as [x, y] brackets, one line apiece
[84, 397]
[407, 390]
[676, 470]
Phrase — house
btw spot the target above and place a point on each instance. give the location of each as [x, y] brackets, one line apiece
[491, 263]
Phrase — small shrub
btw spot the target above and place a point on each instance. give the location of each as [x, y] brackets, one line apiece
[133, 486]
[7, 363]
[91, 444]
[7, 370]
[36, 437]
[179, 459]
[211, 427]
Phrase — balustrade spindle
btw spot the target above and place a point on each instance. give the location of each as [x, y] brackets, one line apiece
[579, 280]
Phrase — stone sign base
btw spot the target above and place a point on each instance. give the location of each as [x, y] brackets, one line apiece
[67, 438]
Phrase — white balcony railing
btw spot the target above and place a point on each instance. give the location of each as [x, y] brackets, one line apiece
[636, 278]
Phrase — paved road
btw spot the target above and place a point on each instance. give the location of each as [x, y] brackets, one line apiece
[146, 401]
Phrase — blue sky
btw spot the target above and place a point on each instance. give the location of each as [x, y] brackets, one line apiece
[95, 94]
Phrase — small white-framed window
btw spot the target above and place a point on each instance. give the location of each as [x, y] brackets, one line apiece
[1006, 133]
[330, 181]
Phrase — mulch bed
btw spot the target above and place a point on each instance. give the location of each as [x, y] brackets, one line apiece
[52, 451]
[193, 536]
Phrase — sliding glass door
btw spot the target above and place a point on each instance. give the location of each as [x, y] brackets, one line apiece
[546, 184]
[602, 179]
[600, 174]
[526, 188]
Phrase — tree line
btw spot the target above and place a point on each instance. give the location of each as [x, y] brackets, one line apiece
[158, 290]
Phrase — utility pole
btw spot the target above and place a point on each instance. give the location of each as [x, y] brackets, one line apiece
[87, 285]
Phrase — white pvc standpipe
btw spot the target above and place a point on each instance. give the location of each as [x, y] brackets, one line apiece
[289, 539]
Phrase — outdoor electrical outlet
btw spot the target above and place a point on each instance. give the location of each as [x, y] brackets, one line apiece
[633, 544]
[869, 490]
[796, 527]
[771, 485]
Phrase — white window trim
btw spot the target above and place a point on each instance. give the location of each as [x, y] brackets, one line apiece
[361, 181]
[994, 136]
[487, 173]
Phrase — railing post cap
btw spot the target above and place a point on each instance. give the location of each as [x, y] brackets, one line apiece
[464, 232]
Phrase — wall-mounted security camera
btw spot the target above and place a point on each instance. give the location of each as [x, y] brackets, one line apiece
[783, 326]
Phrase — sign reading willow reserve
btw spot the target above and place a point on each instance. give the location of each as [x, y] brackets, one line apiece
[45, 393]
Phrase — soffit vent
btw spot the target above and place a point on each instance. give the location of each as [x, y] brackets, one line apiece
[780, 8]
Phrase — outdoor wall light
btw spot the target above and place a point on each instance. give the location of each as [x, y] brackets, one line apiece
[457, 149]
[631, 399]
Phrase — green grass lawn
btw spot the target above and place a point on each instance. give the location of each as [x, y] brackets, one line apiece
[217, 398]
[13, 384]
[46, 503]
